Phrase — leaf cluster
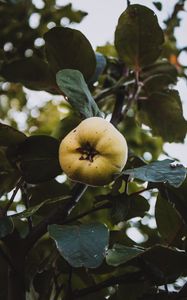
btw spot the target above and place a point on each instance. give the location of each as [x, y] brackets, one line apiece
[71, 241]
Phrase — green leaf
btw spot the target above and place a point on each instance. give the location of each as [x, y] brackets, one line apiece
[9, 136]
[169, 222]
[121, 254]
[158, 76]
[81, 246]
[6, 226]
[132, 291]
[138, 36]
[34, 209]
[163, 113]
[161, 263]
[126, 207]
[72, 83]
[158, 5]
[8, 175]
[66, 125]
[68, 48]
[178, 197]
[32, 72]
[160, 171]
[38, 158]
[165, 261]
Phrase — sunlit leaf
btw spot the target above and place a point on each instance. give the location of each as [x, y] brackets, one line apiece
[121, 254]
[72, 83]
[160, 171]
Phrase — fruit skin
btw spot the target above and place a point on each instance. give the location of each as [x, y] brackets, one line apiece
[93, 153]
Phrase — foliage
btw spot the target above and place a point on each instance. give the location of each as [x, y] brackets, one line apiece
[72, 241]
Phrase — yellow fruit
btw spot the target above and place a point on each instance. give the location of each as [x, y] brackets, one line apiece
[93, 153]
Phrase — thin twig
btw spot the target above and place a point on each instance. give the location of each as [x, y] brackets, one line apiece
[88, 212]
[26, 200]
[133, 98]
[121, 83]
[18, 186]
[128, 3]
[117, 112]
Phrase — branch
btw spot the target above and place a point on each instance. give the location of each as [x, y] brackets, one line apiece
[133, 98]
[128, 3]
[26, 200]
[58, 215]
[7, 259]
[127, 278]
[121, 83]
[117, 112]
[6, 208]
[88, 212]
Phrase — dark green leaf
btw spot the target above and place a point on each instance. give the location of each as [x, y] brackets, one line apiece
[68, 48]
[158, 76]
[9, 136]
[163, 113]
[68, 11]
[72, 83]
[161, 263]
[135, 42]
[66, 125]
[6, 226]
[8, 175]
[121, 254]
[160, 171]
[83, 245]
[169, 222]
[158, 5]
[38, 156]
[127, 207]
[168, 261]
[178, 197]
[132, 291]
[32, 72]
[33, 209]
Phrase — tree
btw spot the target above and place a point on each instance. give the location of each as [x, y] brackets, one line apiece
[74, 241]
